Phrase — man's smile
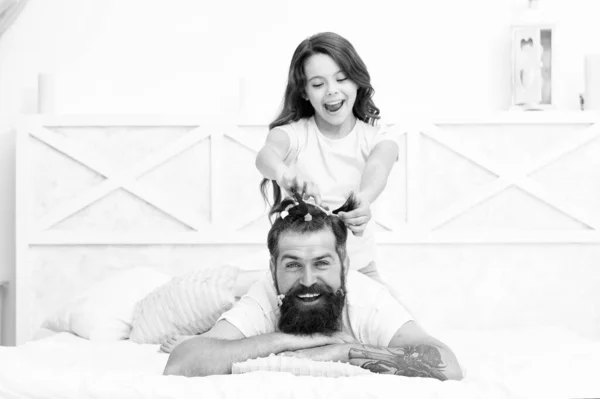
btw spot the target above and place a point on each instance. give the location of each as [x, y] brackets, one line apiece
[308, 297]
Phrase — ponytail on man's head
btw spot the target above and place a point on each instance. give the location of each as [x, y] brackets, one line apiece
[350, 205]
[264, 190]
[294, 215]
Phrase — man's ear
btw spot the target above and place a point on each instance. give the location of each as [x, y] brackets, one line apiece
[346, 265]
[273, 267]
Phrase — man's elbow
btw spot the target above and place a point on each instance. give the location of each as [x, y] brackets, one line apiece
[184, 371]
[453, 370]
[176, 365]
[455, 374]
[171, 369]
[183, 364]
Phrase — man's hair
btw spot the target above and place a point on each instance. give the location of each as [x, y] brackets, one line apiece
[296, 222]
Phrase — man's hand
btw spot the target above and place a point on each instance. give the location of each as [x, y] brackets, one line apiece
[357, 219]
[333, 353]
[314, 340]
[325, 347]
[307, 189]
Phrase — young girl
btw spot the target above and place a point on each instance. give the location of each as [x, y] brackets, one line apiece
[325, 143]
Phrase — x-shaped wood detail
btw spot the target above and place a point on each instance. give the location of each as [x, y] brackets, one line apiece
[126, 178]
[511, 176]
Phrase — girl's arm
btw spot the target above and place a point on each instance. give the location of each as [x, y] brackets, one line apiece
[373, 181]
[377, 170]
[269, 160]
[269, 163]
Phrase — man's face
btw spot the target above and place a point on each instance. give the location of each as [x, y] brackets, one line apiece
[309, 272]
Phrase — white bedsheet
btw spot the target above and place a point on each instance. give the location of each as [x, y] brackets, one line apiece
[541, 363]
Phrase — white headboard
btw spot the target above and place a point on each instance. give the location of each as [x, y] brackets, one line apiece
[487, 222]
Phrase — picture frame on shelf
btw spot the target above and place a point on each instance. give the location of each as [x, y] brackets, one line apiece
[532, 64]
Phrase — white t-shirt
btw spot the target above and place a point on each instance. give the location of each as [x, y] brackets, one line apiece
[371, 315]
[337, 166]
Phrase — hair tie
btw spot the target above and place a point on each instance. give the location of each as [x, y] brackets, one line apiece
[324, 210]
[280, 299]
[283, 214]
[308, 217]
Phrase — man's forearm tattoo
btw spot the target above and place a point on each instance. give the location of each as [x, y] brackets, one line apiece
[409, 361]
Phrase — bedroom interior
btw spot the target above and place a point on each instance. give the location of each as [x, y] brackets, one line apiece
[122, 168]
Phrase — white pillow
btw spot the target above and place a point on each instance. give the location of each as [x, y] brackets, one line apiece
[187, 305]
[105, 311]
[298, 366]
[252, 266]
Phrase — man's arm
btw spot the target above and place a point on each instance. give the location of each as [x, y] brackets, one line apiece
[411, 353]
[215, 351]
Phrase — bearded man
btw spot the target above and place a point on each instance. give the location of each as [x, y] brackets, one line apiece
[312, 306]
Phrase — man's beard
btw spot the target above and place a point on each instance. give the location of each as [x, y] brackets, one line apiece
[324, 317]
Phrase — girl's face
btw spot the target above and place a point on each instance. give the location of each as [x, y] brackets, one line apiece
[331, 93]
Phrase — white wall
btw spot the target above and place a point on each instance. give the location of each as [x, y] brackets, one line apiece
[7, 227]
[188, 56]
[228, 60]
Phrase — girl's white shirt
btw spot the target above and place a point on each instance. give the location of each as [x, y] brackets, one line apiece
[336, 166]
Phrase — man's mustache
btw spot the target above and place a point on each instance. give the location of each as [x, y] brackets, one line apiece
[312, 290]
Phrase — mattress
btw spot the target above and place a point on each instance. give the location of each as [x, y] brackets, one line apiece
[544, 363]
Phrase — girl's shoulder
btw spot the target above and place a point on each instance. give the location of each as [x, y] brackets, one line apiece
[293, 125]
[369, 131]
[297, 128]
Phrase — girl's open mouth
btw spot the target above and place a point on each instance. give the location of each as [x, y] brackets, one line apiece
[333, 107]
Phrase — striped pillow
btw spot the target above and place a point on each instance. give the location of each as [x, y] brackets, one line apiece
[298, 366]
[186, 305]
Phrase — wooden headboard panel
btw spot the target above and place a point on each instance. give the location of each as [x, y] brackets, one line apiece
[485, 223]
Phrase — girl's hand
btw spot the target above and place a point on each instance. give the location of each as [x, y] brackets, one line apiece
[290, 182]
[357, 219]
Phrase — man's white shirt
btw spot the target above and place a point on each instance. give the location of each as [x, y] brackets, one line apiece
[371, 315]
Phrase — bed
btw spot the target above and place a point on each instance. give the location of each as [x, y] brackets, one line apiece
[484, 230]
[66, 366]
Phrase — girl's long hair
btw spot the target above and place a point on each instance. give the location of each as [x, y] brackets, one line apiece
[295, 107]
